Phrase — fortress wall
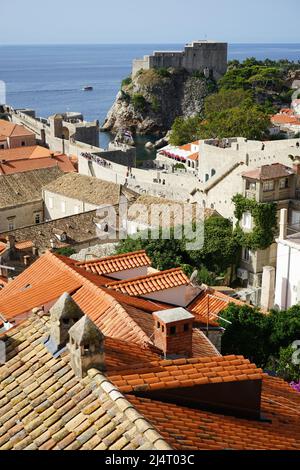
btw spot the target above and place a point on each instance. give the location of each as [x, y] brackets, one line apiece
[166, 60]
[196, 57]
[206, 55]
[139, 64]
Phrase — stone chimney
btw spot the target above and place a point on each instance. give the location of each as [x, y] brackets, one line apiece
[63, 315]
[268, 288]
[11, 242]
[283, 224]
[173, 332]
[87, 347]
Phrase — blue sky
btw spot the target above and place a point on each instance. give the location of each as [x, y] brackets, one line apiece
[148, 21]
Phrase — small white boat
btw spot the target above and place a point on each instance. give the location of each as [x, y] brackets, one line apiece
[87, 88]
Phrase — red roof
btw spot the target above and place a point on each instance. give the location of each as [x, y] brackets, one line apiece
[8, 129]
[209, 305]
[267, 172]
[187, 373]
[285, 119]
[195, 429]
[115, 264]
[20, 166]
[152, 283]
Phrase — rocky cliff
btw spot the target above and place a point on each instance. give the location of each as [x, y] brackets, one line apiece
[150, 102]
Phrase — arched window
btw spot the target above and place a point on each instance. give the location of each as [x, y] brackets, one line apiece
[213, 172]
[206, 178]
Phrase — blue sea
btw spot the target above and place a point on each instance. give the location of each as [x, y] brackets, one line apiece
[50, 78]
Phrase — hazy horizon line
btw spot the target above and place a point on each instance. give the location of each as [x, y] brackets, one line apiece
[139, 43]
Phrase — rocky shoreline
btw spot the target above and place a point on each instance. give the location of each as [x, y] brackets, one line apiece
[150, 102]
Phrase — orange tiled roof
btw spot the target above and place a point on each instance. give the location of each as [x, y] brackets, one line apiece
[187, 147]
[193, 429]
[114, 264]
[20, 166]
[152, 283]
[209, 304]
[3, 247]
[24, 153]
[194, 156]
[184, 373]
[110, 317]
[44, 406]
[285, 119]
[267, 172]
[29, 291]
[8, 129]
[24, 245]
[147, 305]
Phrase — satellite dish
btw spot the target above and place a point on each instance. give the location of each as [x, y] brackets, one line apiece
[194, 278]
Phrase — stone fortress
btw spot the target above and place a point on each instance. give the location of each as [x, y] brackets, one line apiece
[209, 57]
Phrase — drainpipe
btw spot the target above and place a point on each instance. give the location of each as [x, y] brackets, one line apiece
[283, 236]
[288, 279]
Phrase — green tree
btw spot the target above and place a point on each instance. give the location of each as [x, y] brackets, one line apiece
[139, 102]
[185, 130]
[220, 250]
[284, 328]
[247, 334]
[245, 121]
[285, 367]
[265, 339]
[217, 255]
[226, 99]
[67, 251]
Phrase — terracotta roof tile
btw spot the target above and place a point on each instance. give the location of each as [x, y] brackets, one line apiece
[21, 166]
[209, 304]
[114, 264]
[152, 283]
[267, 172]
[58, 410]
[194, 429]
[201, 372]
[8, 129]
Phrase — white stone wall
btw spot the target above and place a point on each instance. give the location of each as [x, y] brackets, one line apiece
[58, 206]
[22, 215]
[287, 291]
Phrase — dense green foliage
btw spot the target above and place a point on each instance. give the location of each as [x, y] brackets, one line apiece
[163, 72]
[217, 255]
[264, 339]
[265, 223]
[240, 106]
[139, 102]
[246, 120]
[155, 104]
[67, 251]
[185, 130]
[127, 81]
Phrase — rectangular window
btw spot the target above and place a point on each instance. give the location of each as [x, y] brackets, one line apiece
[247, 220]
[11, 225]
[50, 202]
[63, 207]
[284, 183]
[173, 330]
[246, 255]
[37, 218]
[269, 186]
[250, 186]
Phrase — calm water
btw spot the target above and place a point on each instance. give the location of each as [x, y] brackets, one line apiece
[49, 79]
